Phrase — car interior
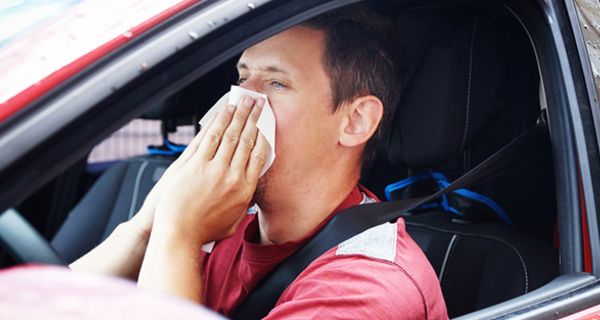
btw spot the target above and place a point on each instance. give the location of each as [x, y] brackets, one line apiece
[472, 85]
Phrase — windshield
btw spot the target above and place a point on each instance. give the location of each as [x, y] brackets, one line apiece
[42, 43]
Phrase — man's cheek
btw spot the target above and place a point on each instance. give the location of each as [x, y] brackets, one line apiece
[281, 131]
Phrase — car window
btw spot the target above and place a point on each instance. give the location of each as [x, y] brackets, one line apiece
[133, 140]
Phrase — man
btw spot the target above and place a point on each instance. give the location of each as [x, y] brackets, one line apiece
[330, 82]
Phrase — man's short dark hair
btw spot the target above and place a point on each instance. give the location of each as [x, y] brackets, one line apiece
[362, 57]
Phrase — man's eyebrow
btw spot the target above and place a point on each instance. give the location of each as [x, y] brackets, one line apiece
[271, 69]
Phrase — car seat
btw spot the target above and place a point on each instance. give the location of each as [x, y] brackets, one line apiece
[461, 103]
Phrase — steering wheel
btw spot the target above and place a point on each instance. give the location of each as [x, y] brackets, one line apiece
[23, 242]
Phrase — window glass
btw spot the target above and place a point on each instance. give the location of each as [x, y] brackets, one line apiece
[588, 12]
[132, 140]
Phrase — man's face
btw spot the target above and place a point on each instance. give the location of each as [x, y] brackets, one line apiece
[289, 69]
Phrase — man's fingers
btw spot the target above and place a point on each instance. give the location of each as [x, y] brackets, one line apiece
[232, 136]
[214, 133]
[247, 139]
[258, 158]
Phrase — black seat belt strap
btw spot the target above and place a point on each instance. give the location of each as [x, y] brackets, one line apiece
[354, 220]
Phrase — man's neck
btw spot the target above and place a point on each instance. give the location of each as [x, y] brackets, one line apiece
[293, 216]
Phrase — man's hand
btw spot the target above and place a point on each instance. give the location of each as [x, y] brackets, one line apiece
[205, 198]
[208, 196]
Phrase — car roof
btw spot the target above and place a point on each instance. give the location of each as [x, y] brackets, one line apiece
[52, 41]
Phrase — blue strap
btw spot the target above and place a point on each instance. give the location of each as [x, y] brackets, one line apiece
[487, 201]
[443, 204]
[171, 150]
[442, 182]
[175, 147]
[160, 152]
[403, 184]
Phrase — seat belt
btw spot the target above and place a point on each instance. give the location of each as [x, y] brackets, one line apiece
[355, 220]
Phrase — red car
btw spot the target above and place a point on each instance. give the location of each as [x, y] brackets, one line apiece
[523, 244]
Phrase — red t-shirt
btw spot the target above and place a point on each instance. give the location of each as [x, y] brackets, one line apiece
[378, 274]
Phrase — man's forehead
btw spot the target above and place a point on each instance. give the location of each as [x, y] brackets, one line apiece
[285, 51]
[271, 68]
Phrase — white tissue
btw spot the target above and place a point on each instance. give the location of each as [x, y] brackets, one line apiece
[266, 121]
[266, 125]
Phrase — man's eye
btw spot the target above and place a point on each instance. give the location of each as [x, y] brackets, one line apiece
[278, 85]
[241, 80]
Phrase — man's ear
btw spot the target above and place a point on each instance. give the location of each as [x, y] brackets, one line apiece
[360, 120]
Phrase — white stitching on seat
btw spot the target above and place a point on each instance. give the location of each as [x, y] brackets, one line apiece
[136, 188]
[448, 250]
[415, 224]
[467, 115]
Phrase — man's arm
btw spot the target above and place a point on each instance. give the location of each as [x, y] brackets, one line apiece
[205, 200]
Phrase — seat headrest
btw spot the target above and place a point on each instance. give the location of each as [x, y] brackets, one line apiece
[454, 85]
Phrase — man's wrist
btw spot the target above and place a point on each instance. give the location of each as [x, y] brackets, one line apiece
[178, 235]
[170, 225]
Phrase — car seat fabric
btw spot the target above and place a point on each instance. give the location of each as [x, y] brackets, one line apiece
[114, 198]
[458, 86]
[453, 89]
[481, 264]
